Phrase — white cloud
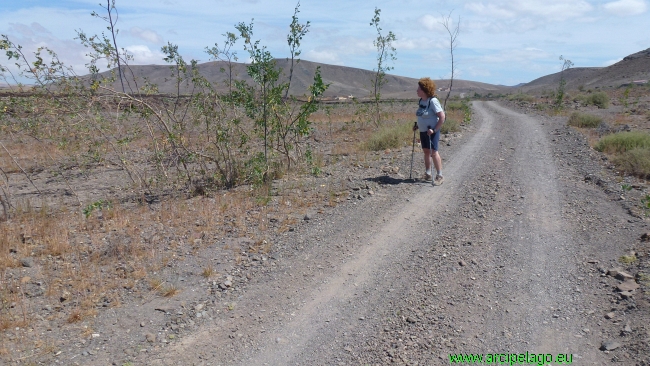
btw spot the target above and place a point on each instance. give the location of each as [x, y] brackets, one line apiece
[31, 37]
[147, 35]
[431, 23]
[549, 9]
[326, 57]
[515, 56]
[406, 44]
[491, 10]
[478, 71]
[626, 7]
[142, 55]
[494, 34]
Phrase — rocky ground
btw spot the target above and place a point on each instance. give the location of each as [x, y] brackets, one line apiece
[531, 245]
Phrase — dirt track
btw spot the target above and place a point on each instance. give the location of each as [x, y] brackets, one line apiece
[505, 257]
[509, 255]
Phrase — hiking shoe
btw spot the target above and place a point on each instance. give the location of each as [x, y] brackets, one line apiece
[438, 181]
[426, 176]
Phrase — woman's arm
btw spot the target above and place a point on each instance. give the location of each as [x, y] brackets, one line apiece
[441, 120]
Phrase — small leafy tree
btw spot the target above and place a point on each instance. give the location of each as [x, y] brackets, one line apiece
[193, 138]
[559, 94]
[385, 52]
[226, 55]
[296, 32]
[45, 72]
[220, 112]
[43, 113]
[265, 74]
[283, 121]
[106, 48]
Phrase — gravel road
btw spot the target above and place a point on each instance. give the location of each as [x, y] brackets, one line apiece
[509, 255]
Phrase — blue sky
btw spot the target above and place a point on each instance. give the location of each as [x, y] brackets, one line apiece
[500, 42]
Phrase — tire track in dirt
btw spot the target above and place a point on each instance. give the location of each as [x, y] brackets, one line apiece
[389, 243]
[538, 250]
[520, 287]
[382, 263]
[308, 333]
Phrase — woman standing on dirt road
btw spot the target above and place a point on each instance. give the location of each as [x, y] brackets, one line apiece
[430, 120]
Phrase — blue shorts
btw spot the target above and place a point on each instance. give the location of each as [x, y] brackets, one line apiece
[434, 139]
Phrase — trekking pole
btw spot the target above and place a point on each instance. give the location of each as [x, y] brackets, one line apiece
[431, 156]
[415, 124]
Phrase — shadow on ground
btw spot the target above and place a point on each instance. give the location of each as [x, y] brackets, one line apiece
[385, 179]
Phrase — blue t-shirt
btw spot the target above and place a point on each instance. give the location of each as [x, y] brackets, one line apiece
[428, 113]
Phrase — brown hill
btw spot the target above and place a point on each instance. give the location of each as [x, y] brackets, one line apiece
[344, 81]
[633, 68]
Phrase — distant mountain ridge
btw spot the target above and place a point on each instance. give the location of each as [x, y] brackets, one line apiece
[348, 81]
[344, 81]
[632, 68]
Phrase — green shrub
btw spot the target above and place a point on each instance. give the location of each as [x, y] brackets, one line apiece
[622, 142]
[456, 106]
[581, 98]
[599, 99]
[635, 162]
[389, 137]
[584, 120]
[450, 125]
[520, 97]
[459, 109]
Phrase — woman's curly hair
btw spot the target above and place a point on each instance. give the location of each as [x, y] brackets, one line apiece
[428, 86]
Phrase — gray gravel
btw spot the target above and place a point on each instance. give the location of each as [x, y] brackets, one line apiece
[516, 252]
[509, 255]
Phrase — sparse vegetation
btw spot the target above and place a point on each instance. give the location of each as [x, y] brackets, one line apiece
[598, 99]
[521, 97]
[560, 92]
[208, 272]
[458, 112]
[644, 278]
[634, 162]
[622, 142]
[627, 259]
[191, 143]
[584, 120]
[169, 291]
[385, 53]
[629, 151]
[194, 170]
[645, 204]
[450, 125]
[389, 137]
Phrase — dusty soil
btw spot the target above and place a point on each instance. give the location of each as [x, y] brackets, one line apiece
[514, 253]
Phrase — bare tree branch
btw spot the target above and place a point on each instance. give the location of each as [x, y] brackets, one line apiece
[60, 172]
[453, 34]
[21, 168]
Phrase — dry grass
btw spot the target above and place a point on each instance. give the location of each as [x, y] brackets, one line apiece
[623, 119]
[169, 291]
[388, 137]
[94, 262]
[155, 283]
[208, 272]
[28, 154]
[75, 316]
[584, 120]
